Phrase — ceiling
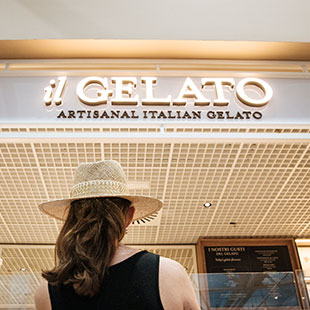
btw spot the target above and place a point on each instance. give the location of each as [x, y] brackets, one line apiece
[256, 178]
[261, 187]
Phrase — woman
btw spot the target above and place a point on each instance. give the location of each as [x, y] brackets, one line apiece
[95, 270]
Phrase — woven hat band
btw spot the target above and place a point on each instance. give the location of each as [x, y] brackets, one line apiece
[99, 188]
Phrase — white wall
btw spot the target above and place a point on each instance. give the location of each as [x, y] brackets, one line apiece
[244, 20]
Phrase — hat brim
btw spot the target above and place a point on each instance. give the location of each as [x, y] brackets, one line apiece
[144, 206]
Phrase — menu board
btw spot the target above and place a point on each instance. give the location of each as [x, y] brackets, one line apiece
[248, 273]
[247, 259]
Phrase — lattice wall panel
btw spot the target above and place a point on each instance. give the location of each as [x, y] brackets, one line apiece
[270, 155]
[204, 155]
[187, 212]
[298, 186]
[21, 287]
[284, 230]
[34, 233]
[305, 160]
[141, 235]
[138, 155]
[5, 234]
[196, 184]
[243, 212]
[21, 183]
[231, 230]
[67, 154]
[288, 212]
[13, 260]
[23, 212]
[6, 297]
[16, 155]
[39, 259]
[58, 182]
[181, 234]
[255, 183]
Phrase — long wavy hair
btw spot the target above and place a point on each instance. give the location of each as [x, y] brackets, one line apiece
[87, 243]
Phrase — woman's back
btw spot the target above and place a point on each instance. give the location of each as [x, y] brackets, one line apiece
[140, 281]
[130, 284]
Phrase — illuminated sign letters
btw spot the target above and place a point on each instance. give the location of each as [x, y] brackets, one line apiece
[193, 98]
[122, 94]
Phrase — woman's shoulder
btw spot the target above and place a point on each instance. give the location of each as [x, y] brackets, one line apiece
[170, 270]
[41, 297]
[175, 287]
[171, 264]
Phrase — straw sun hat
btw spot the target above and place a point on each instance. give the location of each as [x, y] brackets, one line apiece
[101, 179]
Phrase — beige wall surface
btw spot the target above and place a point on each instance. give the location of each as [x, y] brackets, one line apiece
[226, 20]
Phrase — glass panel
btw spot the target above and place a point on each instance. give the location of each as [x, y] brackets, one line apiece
[259, 291]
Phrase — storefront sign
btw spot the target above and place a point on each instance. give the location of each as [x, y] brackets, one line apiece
[126, 92]
[154, 99]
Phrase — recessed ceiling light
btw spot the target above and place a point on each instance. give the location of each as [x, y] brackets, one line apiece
[22, 269]
[302, 240]
[134, 185]
[207, 204]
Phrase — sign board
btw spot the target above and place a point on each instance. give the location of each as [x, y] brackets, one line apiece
[207, 100]
[249, 273]
[247, 259]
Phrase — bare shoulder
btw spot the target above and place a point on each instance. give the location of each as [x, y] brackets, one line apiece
[175, 288]
[42, 298]
[170, 263]
[172, 270]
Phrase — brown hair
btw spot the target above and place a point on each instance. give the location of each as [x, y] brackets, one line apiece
[87, 243]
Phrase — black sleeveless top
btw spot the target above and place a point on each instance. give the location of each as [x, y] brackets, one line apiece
[129, 285]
